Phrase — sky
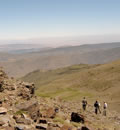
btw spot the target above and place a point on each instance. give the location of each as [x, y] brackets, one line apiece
[84, 21]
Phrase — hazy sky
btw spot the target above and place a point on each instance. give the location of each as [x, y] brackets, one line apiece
[35, 19]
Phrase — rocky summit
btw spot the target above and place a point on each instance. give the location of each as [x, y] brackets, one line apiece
[20, 109]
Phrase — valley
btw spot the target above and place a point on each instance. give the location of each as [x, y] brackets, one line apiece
[19, 63]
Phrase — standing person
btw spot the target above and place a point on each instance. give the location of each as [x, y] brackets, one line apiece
[96, 105]
[104, 108]
[99, 107]
[84, 103]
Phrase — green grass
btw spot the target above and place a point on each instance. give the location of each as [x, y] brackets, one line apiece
[76, 124]
[20, 112]
[74, 82]
[58, 119]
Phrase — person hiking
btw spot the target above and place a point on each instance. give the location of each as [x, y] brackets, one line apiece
[104, 108]
[99, 107]
[84, 103]
[96, 105]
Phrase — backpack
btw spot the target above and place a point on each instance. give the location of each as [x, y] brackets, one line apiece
[96, 104]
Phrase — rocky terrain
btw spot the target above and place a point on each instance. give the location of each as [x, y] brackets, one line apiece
[20, 109]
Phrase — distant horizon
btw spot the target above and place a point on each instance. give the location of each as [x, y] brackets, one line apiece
[65, 41]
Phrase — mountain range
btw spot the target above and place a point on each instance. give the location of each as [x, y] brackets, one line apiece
[18, 61]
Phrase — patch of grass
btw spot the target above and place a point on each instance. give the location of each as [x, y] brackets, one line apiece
[76, 124]
[50, 94]
[73, 94]
[58, 119]
[20, 112]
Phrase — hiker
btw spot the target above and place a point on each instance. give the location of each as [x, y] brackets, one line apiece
[84, 103]
[96, 105]
[99, 107]
[104, 108]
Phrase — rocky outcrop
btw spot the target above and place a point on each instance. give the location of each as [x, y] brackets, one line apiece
[26, 90]
[20, 109]
[17, 97]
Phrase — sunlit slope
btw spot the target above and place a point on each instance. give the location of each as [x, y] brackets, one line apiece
[72, 83]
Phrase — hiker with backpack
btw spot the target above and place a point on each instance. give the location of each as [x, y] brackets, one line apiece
[84, 104]
[104, 108]
[96, 105]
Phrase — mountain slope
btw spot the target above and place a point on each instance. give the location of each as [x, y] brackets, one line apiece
[20, 109]
[72, 83]
[21, 64]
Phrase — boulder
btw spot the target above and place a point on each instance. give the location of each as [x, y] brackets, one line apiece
[27, 105]
[32, 107]
[24, 127]
[19, 127]
[21, 120]
[85, 128]
[2, 123]
[6, 120]
[3, 110]
[1, 103]
[42, 120]
[1, 87]
[77, 117]
[50, 113]
[66, 127]
[41, 126]
[52, 126]
[9, 128]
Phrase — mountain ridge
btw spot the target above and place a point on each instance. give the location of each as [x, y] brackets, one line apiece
[20, 64]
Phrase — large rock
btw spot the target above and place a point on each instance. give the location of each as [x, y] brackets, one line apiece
[24, 127]
[77, 117]
[32, 107]
[66, 127]
[22, 120]
[6, 120]
[3, 110]
[52, 126]
[27, 105]
[41, 126]
[9, 128]
[50, 113]
[85, 128]
[1, 86]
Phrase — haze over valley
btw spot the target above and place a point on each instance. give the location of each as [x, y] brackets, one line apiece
[19, 60]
